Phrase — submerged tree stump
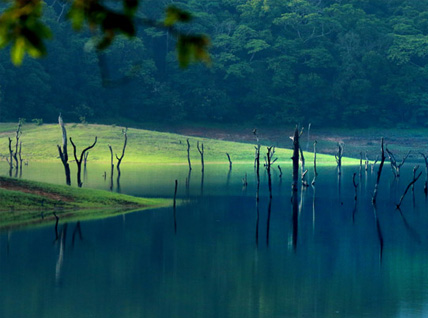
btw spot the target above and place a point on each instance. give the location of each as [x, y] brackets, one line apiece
[379, 172]
[230, 161]
[338, 157]
[295, 158]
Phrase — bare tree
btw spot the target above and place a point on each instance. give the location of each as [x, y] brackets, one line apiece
[201, 152]
[63, 154]
[415, 178]
[269, 161]
[111, 167]
[338, 157]
[79, 161]
[119, 159]
[188, 154]
[230, 161]
[394, 165]
[17, 137]
[10, 160]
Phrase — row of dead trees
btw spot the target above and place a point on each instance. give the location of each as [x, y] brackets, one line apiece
[15, 159]
[298, 159]
[201, 151]
[63, 154]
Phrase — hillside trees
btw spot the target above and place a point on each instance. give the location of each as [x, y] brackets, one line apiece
[325, 62]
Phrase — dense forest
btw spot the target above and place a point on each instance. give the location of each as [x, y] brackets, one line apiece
[325, 62]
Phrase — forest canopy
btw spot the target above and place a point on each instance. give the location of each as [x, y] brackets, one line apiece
[328, 62]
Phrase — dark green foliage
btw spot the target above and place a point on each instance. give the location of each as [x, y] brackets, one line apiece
[20, 27]
[341, 63]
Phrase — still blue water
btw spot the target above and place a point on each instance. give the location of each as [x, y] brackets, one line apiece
[223, 255]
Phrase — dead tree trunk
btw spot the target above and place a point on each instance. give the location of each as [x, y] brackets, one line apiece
[119, 159]
[295, 158]
[188, 154]
[361, 163]
[79, 161]
[269, 162]
[407, 189]
[17, 136]
[338, 157]
[230, 161]
[366, 164]
[257, 160]
[111, 167]
[201, 152]
[20, 159]
[63, 154]
[257, 153]
[379, 172]
[10, 161]
[426, 174]
[19, 156]
[303, 172]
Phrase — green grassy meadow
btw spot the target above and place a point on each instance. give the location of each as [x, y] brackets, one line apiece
[39, 143]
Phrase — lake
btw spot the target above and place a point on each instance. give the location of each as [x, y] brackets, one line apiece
[220, 254]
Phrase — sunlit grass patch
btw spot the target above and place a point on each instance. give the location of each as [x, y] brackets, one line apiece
[39, 143]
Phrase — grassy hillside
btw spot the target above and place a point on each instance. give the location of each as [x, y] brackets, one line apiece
[24, 202]
[148, 147]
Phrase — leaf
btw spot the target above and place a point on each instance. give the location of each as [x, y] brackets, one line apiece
[18, 51]
[192, 48]
[76, 16]
[131, 6]
[174, 15]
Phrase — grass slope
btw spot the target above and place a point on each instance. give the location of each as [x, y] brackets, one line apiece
[148, 147]
[22, 202]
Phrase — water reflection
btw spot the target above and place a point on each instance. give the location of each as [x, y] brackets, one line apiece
[211, 269]
[269, 210]
[379, 233]
[61, 240]
[295, 220]
[77, 231]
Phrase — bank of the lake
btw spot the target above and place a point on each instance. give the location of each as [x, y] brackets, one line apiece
[28, 202]
[39, 143]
